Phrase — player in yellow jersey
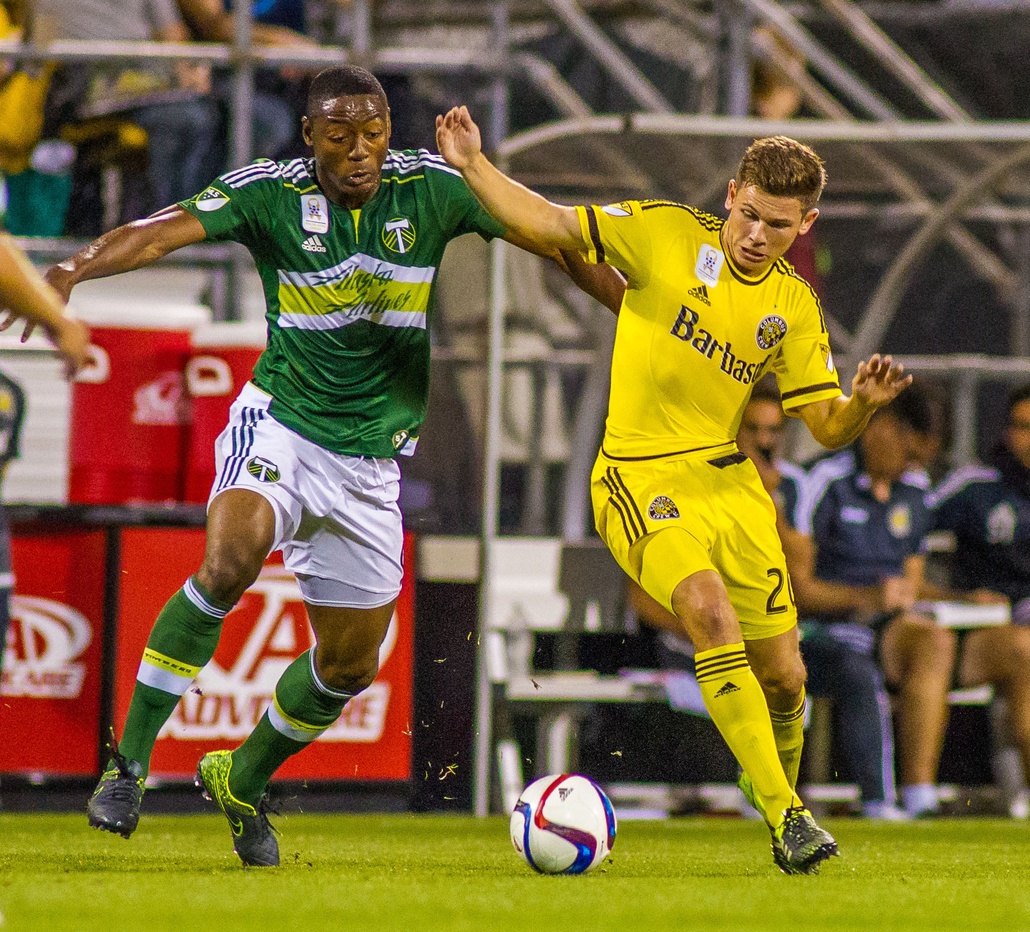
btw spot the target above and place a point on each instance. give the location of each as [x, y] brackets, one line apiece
[710, 306]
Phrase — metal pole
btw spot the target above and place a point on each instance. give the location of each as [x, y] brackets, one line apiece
[242, 143]
[963, 419]
[891, 289]
[735, 67]
[609, 56]
[822, 61]
[492, 438]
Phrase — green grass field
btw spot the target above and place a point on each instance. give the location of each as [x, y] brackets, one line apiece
[418, 873]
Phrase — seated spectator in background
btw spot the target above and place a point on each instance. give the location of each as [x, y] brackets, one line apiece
[987, 508]
[279, 94]
[168, 100]
[837, 668]
[859, 565]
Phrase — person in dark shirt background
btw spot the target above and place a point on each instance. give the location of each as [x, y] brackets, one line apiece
[987, 508]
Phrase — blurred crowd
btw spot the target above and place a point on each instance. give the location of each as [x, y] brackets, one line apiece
[84, 148]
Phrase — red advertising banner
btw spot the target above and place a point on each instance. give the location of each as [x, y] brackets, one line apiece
[50, 692]
[260, 638]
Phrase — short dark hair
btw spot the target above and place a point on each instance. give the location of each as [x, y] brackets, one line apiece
[1016, 397]
[783, 167]
[912, 408]
[766, 389]
[342, 81]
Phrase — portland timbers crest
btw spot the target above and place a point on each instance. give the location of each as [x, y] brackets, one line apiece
[263, 470]
[399, 235]
[662, 508]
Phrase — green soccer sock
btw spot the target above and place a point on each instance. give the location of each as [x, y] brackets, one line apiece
[183, 639]
[789, 732]
[302, 708]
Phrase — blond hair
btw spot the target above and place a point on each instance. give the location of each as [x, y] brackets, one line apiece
[783, 167]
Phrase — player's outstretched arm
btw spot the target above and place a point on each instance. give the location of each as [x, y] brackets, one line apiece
[127, 247]
[838, 421]
[131, 246]
[24, 294]
[543, 226]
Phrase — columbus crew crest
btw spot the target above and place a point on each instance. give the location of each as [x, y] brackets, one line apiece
[662, 508]
[263, 470]
[771, 329]
[399, 235]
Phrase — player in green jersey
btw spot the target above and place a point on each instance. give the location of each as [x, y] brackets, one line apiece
[347, 245]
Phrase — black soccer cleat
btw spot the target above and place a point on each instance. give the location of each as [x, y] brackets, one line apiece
[114, 805]
[253, 837]
[799, 845]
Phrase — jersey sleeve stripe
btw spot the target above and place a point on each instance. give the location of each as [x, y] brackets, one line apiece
[791, 272]
[251, 173]
[809, 390]
[595, 234]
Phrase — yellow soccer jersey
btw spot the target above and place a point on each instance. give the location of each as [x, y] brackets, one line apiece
[695, 333]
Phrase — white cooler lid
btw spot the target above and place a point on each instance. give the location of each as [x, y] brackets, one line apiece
[139, 313]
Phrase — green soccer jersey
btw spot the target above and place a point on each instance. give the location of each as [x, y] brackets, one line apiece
[349, 293]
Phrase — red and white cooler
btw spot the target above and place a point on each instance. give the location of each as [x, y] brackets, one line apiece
[130, 410]
[223, 360]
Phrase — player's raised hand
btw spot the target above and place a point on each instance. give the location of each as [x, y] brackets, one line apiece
[878, 381]
[457, 137]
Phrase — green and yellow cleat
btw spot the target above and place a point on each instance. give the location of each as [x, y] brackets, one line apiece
[253, 837]
[799, 845]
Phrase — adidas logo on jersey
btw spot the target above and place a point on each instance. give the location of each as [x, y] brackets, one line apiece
[701, 293]
[313, 244]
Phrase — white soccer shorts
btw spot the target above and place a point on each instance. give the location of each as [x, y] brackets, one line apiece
[336, 517]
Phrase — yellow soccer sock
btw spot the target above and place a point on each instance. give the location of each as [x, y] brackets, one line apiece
[789, 732]
[737, 705]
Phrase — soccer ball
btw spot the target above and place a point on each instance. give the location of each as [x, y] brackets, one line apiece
[563, 824]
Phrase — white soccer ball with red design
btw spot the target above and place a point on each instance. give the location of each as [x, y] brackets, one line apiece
[563, 824]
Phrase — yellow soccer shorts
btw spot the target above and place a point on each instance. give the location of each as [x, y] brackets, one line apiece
[665, 520]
